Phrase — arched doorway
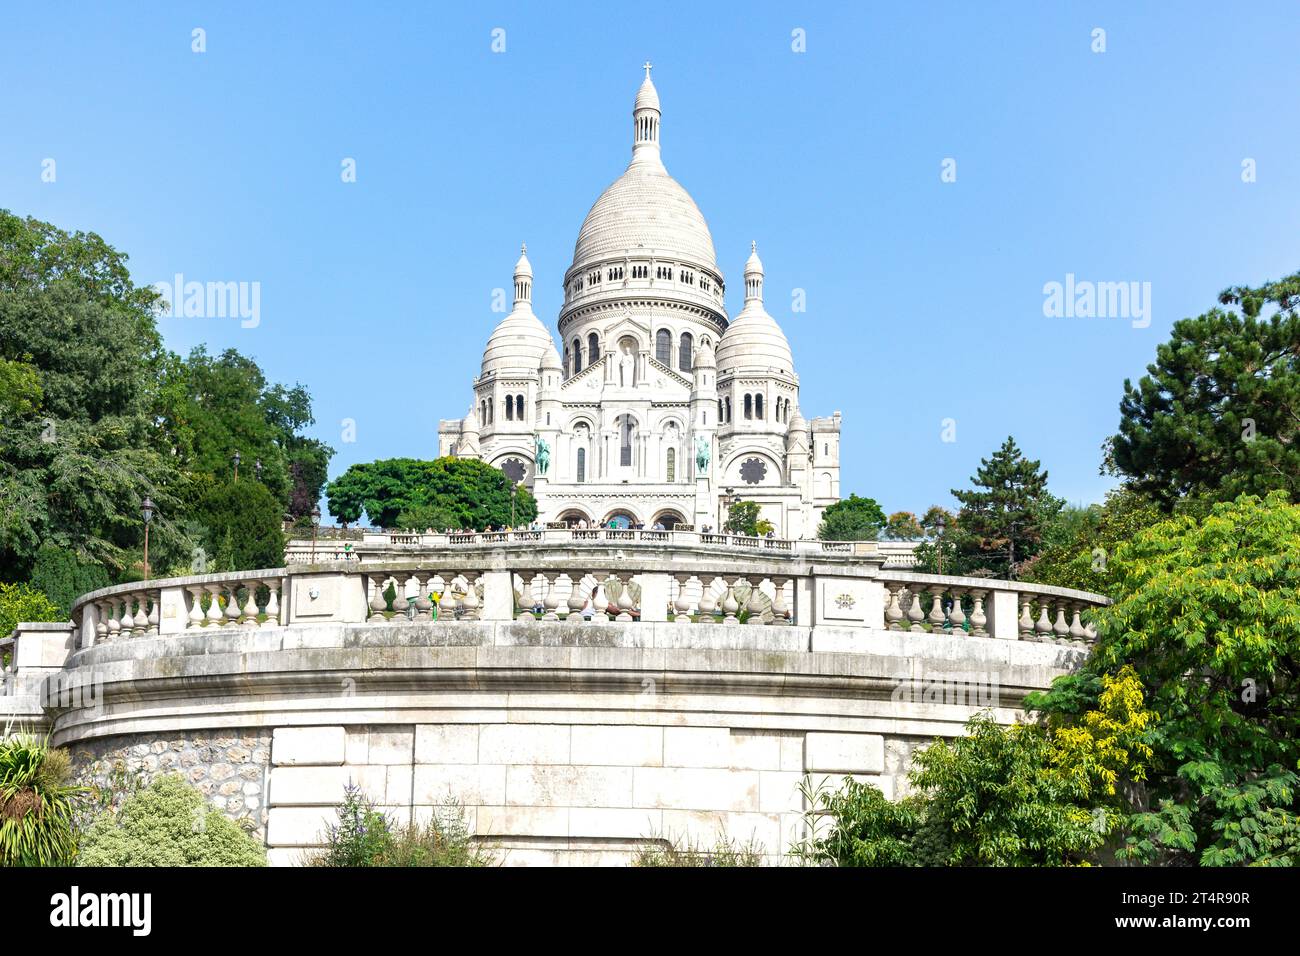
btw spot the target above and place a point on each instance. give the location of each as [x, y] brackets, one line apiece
[669, 519]
[575, 518]
[620, 519]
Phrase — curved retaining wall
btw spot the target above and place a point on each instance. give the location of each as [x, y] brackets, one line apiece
[567, 743]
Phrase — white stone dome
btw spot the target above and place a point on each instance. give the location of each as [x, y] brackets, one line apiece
[753, 341]
[520, 341]
[645, 209]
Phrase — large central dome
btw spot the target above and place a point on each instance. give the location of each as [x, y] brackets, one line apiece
[645, 208]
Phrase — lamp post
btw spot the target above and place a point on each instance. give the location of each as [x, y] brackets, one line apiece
[941, 525]
[315, 524]
[236, 459]
[146, 512]
[257, 467]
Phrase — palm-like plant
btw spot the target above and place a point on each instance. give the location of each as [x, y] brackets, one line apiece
[36, 808]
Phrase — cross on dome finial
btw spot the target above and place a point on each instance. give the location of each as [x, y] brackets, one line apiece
[648, 67]
[753, 245]
[523, 248]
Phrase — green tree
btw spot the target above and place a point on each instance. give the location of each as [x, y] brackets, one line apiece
[903, 526]
[214, 406]
[1002, 516]
[63, 577]
[168, 824]
[1218, 412]
[473, 493]
[20, 389]
[1079, 556]
[241, 527]
[744, 517]
[1207, 613]
[852, 519]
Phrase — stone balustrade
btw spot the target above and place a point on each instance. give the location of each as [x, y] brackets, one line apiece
[384, 545]
[600, 576]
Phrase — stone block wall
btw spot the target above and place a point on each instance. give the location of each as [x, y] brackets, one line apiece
[561, 794]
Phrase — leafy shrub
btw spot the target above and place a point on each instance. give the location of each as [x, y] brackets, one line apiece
[36, 804]
[366, 837]
[22, 602]
[168, 824]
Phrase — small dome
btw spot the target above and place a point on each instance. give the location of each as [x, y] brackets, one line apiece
[753, 341]
[551, 358]
[518, 342]
[523, 267]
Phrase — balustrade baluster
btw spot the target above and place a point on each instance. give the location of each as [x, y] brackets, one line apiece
[754, 605]
[102, 611]
[1060, 628]
[195, 617]
[152, 620]
[708, 602]
[378, 604]
[937, 617]
[1077, 634]
[272, 602]
[978, 619]
[213, 615]
[624, 603]
[232, 605]
[956, 616]
[729, 604]
[599, 599]
[682, 604]
[470, 604]
[1026, 622]
[552, 600]
[576, 599]
[894, 610]
[1043, 625]
[423, 606]
[780, 610]
[251, 609]
[914, 612]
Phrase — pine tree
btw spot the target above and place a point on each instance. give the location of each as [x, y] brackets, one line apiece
[1001, 518]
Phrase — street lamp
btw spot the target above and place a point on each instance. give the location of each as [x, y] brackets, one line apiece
[257, 467]
[315, 523]
[236, 459]
[941, 525]
[147, 508]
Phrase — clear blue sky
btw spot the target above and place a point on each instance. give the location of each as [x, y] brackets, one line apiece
[925, 299]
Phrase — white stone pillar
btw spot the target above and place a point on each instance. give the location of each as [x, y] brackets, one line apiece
[498, 596]
[1002, 611]
[654, 597]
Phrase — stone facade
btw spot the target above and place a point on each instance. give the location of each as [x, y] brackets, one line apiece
[230, 768]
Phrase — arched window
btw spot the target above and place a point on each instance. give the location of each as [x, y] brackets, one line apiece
[664, 346]
[672, 464]
[582, 465]
[577, 356]
[627, 429]
[510, 409]
[519, 407]
[749, 406]
[684, 352]
[758, 407]
[593, 348]
[728, 408]
[492, 412]
[721, 418]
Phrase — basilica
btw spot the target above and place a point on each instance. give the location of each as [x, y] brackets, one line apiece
[660, 410]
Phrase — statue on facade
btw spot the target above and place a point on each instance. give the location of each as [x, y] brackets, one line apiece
[701, 454]
[543, 455]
